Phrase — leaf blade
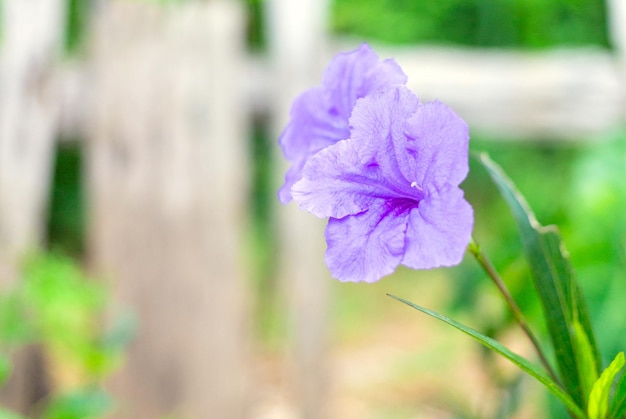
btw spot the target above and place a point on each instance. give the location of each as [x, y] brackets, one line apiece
[497, 347]
[618, 404]
[600, 393]
[560, 295]
[587, 363]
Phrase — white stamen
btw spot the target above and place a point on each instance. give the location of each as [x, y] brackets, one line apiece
[415, 185]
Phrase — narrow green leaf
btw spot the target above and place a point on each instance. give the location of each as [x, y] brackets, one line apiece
[618, 404]
[497, 347]
[560, 295]
[599, 398]
[586, 359]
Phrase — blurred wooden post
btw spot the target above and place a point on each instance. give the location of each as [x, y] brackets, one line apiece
[168, 182]
[32, 35]
[297, 39]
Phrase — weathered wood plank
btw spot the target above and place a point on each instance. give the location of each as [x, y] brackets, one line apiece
[168, 181]
[569, 94]
[298, 42]
[573, 94]
[28, 119]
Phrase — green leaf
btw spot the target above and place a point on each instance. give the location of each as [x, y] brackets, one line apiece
[618, 405]
[560, 295]
[599, 398]
[497, 347]
[585, 356]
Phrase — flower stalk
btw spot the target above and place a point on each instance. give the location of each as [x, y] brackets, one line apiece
[491, 272]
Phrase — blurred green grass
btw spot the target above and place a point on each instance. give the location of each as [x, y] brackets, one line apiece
[484, 23]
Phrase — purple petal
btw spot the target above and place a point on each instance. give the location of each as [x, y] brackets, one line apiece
[335, 183]
[319, 117]
[313, 125]
[438, 146]
[439, 230]
[355, 74]
[294, 173]
[378, 124]
[367, 246]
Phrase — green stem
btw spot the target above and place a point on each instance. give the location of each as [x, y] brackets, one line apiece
[484, 262]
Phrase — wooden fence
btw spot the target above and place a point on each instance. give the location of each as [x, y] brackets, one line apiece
[164, 100]
[168, 182]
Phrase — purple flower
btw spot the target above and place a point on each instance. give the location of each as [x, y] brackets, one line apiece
[319, 117]
[391, 189]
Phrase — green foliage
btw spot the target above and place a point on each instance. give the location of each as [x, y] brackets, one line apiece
[588, 210]
[58, 309]
[61, 301]
[492, 23]
[560, 295]
[62, 309]
[497, 347]
[587, 362]
[599, 398]
[539, 170]
[618, 404]
[595, 229]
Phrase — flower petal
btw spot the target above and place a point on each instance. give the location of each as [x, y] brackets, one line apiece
[378, 125]
[369, 245]
[439, 230]
[355, 74]
[335, 183]
[294, 173]
[438, 142]
[319, 117]
[313, 125]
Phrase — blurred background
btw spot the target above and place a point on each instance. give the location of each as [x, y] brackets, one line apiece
[148, 271]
